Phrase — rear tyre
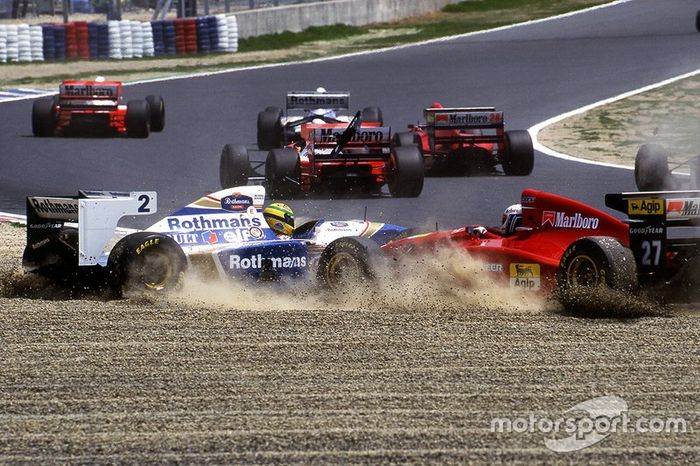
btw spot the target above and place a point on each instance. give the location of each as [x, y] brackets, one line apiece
[283, 173]
[346, 262]
[407, 138]
[138, 119]
[234, 166]
[651, 172]
[372, 115]
[697, 21]
[156, 106]
[519, 155]
[593, 265]
[406, 172]
[270, 128]
[146, 262]
[43, 117]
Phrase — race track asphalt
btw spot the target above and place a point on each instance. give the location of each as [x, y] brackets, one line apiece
[532, 72]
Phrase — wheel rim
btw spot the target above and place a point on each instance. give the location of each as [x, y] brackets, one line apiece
[343, 268]
[155, 270]
[583, 272]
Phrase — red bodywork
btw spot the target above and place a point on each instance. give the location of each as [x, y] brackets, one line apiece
[440, 138]
[529, 258]
[365, 158]
[94, 104]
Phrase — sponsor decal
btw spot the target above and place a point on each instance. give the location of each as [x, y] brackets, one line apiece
[468, 119]
[55, 207]
[363, 135]
[493, 267]
[525, 276]
[210, 237]
[185, 238]
[212, 222]
[339, 224]
[527, 199]
[252, 210]
[236, 202]
[230, 237]
[646, 230]
[45, 226]
[563, 220]
[256, 232]
[680, 209]
[257, 262]
[147, 244]
[645, 206]
[87, 90]
[40, 243]
[318, 101]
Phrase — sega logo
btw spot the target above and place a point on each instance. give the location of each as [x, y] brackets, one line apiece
[236, 202]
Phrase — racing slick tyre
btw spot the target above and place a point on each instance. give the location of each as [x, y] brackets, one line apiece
[406, 172]
[697, 21]
[156, 106]
[283, 173]
[56, 258]
[145, 262]
[348, 261]
[372, 115]
[519, 155]
[270, 128]
[234, 166]
[43, 117]
[407, 138]
[651, 172]
[590, 266]
[138, 119]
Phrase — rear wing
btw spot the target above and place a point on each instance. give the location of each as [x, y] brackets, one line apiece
[81, 90]
[309, 100]
[96, 213]
[463, 125]
[366, 143]
[659, 222]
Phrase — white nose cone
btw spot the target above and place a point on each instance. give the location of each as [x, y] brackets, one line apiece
[321, 90]
[100, 79]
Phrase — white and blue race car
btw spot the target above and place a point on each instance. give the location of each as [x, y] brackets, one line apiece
[223, 234]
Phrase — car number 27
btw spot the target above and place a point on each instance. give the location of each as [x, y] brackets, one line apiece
[651, 252]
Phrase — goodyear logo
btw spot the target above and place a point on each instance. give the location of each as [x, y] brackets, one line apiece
[525, 276]
[645, 206]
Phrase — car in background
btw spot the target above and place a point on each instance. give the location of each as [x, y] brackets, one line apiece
[84, 107]
[223, 234]
[469, 140]
[652, 171]
[337, 157]
[277, 128]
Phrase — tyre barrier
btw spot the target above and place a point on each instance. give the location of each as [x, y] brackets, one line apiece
[81, 40]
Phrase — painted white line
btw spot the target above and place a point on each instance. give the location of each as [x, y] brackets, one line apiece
[6, 217]
[534, 130]
[356, 54]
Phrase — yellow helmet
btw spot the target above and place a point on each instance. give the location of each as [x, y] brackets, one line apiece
[280, 218]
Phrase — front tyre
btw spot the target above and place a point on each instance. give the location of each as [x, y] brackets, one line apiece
[146, 262]
[283, 173]
[347, 262]
[234, 166]
[270, 131]
[156, 106]
[519, 154]
[651, 171]
[406, 171]
[372, 115]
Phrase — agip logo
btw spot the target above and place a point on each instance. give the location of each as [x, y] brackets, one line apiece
[525, 276]
[645, 206]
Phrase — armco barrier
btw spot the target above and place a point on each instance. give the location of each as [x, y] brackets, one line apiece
[81, 40]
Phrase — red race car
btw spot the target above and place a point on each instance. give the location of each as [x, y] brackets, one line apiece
[96, 107]
[469, 140]
[332, 156]
[552, 244]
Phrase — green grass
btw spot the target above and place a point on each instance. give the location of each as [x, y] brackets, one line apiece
[483, 5]
[287, 39]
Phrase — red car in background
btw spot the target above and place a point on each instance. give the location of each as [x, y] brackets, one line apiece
[96, 107]
[562, 246]
[469, 140]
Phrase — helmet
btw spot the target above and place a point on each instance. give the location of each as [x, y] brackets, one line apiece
[512, 218]
[321, 90]
[436, 105]
[280, 218]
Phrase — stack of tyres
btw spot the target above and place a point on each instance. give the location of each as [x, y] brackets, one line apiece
[180, 45]
[24, 44]
[59, 40]
[115, 39]
[71, 41]
[12, 45]
[125, 35]
[158, 39]
[3, 43]
[190, 35]
[169, 37]
[49, 41]
[37, 41]
[222, 31]
[102, 40]
[136, 38]
[213, 33]
[203, 44]
[81, 36]
[148, 46]
[232, 34]
[93, 48]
